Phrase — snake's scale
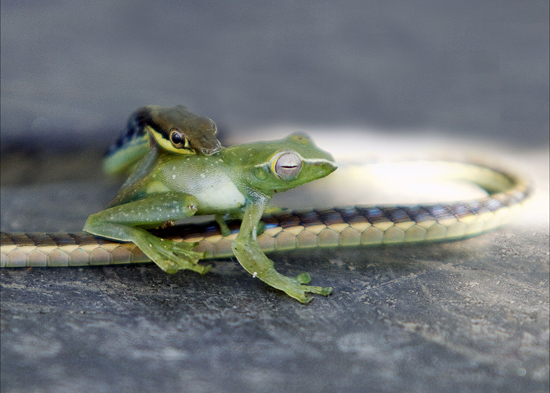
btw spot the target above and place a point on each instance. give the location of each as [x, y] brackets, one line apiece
[334, 227]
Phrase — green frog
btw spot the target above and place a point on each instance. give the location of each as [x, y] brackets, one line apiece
[236, 181]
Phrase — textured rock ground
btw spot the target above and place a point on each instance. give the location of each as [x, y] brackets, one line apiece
[468, 316]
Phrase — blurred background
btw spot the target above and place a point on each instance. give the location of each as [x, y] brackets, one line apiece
[72, 71]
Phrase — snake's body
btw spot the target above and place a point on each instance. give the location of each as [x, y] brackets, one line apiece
[334, 227]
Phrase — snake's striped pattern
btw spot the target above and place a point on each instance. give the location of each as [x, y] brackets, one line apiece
[335, 227]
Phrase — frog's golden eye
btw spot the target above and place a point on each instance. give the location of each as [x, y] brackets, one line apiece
[178, 139]
[288, 166]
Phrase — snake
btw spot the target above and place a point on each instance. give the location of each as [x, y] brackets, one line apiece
[286, 230]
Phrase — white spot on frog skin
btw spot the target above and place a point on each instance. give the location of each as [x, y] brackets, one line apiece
[255, 275]
[203, 175]
[173, 177]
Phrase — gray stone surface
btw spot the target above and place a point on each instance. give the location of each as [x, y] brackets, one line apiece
[469, 316]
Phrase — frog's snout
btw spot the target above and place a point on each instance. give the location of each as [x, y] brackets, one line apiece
[330, 163]
[326, 167]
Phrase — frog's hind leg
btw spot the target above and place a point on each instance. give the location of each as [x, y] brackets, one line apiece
[126, 222]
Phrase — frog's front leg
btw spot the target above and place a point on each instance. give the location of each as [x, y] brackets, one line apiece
[250, 256]
[126, 222]
[238, 215]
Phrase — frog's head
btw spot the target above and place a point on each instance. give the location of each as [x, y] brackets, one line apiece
[287, 163]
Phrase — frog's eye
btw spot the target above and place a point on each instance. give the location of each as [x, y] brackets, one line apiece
[178, 139]
[288, 166]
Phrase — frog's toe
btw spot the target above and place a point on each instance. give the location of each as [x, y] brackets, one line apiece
[183, 264]
[325, 291]
[303, 298]
[190, 260]
[303, 278]
[172, 269]
[203, 269]
[191, 256]
[175, 256]
[184, 250]
[299, 292]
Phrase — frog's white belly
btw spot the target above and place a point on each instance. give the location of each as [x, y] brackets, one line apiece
[218, 196]
[205, 180]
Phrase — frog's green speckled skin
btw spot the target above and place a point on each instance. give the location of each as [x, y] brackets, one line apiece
[238, 180]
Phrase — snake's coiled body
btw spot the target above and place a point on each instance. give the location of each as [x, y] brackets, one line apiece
[334, 227]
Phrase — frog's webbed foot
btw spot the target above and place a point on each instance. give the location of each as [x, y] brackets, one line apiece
[173, 256]
[295, 286]
[305, 278]
[257, 264]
